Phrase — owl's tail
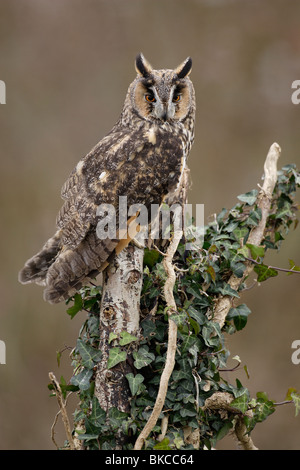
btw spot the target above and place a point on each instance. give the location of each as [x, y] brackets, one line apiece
[36, 268]
[74, 268]
[64, 270]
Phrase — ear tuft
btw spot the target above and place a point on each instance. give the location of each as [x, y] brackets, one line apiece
[184, 69]
[142, 66]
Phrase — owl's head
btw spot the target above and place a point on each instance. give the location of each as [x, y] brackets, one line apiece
[162, 95]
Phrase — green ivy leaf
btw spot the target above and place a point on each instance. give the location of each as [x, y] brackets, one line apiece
[240, 233]
[135, 382]
[241, 402]
[293, 266]
[163, 445]
[238, 269]
[112, 336]
[256, 251]
[249, 197]
[179, 318]
[87, 437]
[116, 417]
[254, 217]
[188, 411]
[89, 355]
[243, 251]
[264, 407]
[82, 379]
[143, 357]
[211, 334]
[93, 326]
[246, 371]
[148, 327]
[239, 315]
[284, 211]
[115, 356]
[195, 291]
[224, 430]
[126, 338]
[196, 315]
[76, 307]
[98, 415]
[264, 272]
[212, 249]
[147, 283]
[64, 387]
[227, 290]
[289, 393]
[195, 326]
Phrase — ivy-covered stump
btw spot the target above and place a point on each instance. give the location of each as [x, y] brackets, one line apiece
[200, 407]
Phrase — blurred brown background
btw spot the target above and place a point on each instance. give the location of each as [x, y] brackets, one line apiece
[67, 65]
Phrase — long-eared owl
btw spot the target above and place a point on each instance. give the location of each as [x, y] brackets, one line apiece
[142, 158]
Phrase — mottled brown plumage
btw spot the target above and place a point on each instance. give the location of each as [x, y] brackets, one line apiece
[142, 158]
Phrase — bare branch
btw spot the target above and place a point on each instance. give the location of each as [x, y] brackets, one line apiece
[63, 411]
[223, 304]
[243, 436]
[221, 401]
[275, 267]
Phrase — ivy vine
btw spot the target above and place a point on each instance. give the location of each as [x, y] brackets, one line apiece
[201, 350]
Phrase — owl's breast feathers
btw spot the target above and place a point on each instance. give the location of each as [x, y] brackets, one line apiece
[144, 165]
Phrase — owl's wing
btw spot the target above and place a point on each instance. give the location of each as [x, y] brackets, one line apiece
[75, 254]
[95, 181]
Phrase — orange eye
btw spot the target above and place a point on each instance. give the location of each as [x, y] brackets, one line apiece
[176, 98]
[150, 98]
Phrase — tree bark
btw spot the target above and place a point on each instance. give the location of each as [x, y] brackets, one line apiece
[120, 311]
[120, 308]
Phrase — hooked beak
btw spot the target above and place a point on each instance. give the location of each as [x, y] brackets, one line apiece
[164, 111]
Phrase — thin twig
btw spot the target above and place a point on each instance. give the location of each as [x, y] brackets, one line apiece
[172, 341]
[285, 402]
[53, 429]
[275, 267]
[63, 411]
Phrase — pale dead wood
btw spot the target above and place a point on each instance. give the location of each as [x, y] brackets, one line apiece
[63, 411]
[223, 304]
[243, 437]
[221, 401]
